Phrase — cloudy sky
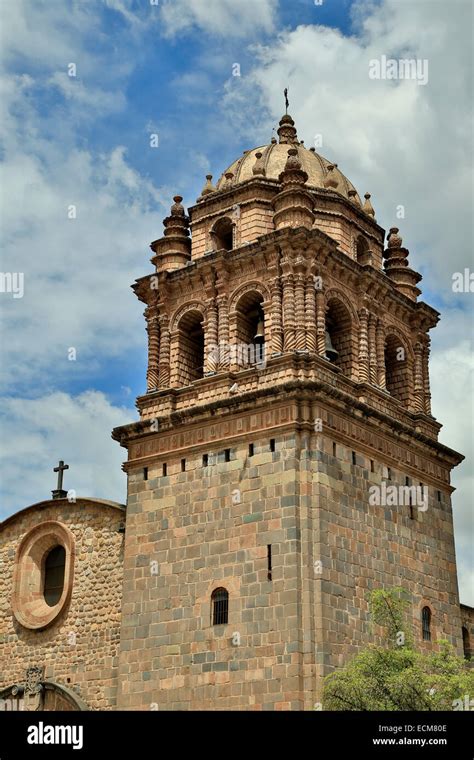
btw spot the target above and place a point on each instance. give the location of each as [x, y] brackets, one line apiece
[84, 192]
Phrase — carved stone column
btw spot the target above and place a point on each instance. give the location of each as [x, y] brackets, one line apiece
[300, 331]
[211, 350]
[418, 401]
[364, 374]
[277, 326]
[223, 330]
[380, 351]
[310, 314]
[164, 363]
[232, 359]
[426, 375]
[153, 330]
[288, 312]
[321, 323]
[372, 349]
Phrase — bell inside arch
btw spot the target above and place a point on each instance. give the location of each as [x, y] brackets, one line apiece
[259, 336]
[259, 340]
[331, 353]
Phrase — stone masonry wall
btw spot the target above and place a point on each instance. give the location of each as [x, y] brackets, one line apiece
[205, 528]
[80, 648]
[329, 548]
[363, 546]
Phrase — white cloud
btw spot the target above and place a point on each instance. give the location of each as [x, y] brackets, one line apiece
[59, 426]
[453, 358]
[44, 33]
[406, 144]
[94, 99]
[244, 18]
[77, 271]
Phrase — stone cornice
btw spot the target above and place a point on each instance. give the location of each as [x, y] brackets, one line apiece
[304, 365]
[339, 403]
[289, 239]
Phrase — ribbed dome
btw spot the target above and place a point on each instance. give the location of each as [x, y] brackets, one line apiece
[320, 171]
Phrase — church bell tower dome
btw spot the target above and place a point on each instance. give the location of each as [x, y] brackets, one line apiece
[272, 158]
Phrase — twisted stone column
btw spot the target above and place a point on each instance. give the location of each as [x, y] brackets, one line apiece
[426, 375]
[380, 351]
[418, 401]
[223, 330]
[364, 374]
[320, 323]
[372, 350]
[164, 363]
[211, 349]
[300, 333]
[277, 325]
[153, 330]
[310, 315]
[288, 313]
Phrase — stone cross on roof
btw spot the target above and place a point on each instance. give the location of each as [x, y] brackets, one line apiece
[58, 492]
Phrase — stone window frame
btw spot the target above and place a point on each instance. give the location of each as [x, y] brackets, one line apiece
[431, 643]
[28, 604]
[220, 606]
[203, 605]
[225, 220]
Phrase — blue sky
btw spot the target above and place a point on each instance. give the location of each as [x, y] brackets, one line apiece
[167, 69]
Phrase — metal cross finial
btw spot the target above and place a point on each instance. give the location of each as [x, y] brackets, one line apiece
[60, 470]
[285, 92]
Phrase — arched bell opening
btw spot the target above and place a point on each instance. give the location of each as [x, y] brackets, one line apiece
[250, 333]
[190, 347]
[339, 337]
[397, 373]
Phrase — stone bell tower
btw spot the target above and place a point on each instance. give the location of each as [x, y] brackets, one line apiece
[287, 392]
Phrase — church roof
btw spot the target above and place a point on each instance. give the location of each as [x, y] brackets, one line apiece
[269, 161]
[59, 502]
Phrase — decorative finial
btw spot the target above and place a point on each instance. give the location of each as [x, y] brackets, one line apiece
[394, 239]
[367, 207]
[331, 179]
[287, 103]
[173, 249]
[177, 209]
[258, 167]
[287, 131]
[208, 187]
[229, 176]
[292, 162]
[352, 195]
[293, 205]
[397, 267]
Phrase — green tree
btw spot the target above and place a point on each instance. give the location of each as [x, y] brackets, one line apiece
[395, 676]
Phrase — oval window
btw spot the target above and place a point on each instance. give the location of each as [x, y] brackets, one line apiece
[54, 567]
